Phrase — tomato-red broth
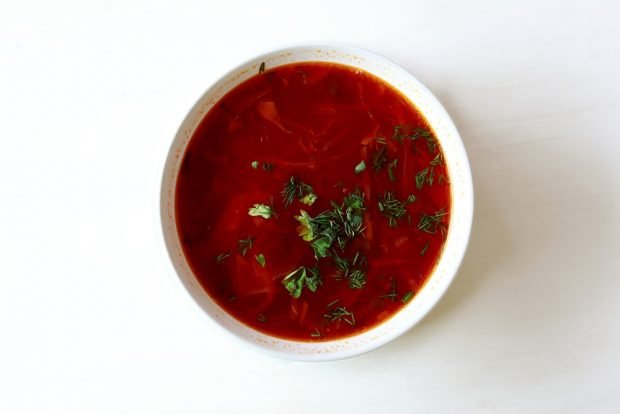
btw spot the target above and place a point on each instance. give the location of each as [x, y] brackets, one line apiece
[315, 122]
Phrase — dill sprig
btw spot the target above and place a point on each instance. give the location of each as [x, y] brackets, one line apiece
[392, 294]
[391, 208]
[426, 176]
[391, 167]
[351, 269]
[407, 297]
[379, 158]
[340, 314]
[438, 160]
[429, 223]
[297, 189]
[245, 244]
[400, 135]
[425, 248]
[221, 257]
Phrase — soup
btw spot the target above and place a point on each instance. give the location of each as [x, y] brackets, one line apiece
[312, 201]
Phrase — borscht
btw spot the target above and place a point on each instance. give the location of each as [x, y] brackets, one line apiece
[312, 201]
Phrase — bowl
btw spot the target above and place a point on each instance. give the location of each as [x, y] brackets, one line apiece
[461, 210]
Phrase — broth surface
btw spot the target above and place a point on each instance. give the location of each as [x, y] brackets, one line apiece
[315, 122]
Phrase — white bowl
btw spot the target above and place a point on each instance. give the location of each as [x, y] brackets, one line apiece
[460, 214]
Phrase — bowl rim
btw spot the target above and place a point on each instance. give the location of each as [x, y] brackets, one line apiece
[182, 136]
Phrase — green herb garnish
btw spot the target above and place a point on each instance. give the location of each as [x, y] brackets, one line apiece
[268, 166]
[341, 314]
[261, 68]
[261, 318]
[425, 176]
[430, 222]
[300, 190]
[391, 167]
[316, 333]
[351, 270]
[438, 160]
[425, 248]
[261, 210]
[398, 134]
[245, 244]
[407, 297]
[221, 257]
[428, 136]
[302, 277]
[360, 167]
[260, 258]
[392, 294]
[379, 158]
[391, 208]
[255, 165]
[411, 199]
[336, 226]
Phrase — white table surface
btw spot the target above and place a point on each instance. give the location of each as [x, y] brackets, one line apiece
[92, 319]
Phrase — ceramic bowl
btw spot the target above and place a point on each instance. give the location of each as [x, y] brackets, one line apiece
[460, 215]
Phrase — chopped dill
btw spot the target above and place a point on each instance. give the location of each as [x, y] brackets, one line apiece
[407, 297]
[340, 314]
[221, 257]
[391, 167]
[425, 248]
[245, 244]
[430, 222]
[379, 158]
[391, 208]
[392, 294]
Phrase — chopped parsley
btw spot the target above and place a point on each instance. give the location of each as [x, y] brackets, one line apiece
[261, 210]
[333, 227]
[360, 167]
[302, 277]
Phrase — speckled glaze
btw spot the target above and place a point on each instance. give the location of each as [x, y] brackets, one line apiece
[460, 221]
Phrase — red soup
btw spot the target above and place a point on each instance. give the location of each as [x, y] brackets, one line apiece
[312, 201]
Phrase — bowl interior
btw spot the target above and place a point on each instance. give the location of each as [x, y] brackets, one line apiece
[460, 215]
